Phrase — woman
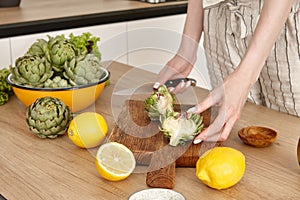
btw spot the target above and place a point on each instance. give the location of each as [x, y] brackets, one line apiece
[252, 49]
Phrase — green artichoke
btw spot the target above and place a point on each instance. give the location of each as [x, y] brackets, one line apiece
[60, 51]
[39, 48]
[180, 128]
[159, 103]
[4, 86]
[31, 70]
[56, 82]
[48, 117]
[3, 98]
[83, 70]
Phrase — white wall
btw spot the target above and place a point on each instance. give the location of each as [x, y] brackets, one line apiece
[5, 58]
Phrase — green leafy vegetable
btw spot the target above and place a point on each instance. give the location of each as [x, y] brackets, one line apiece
[5, 88]
[86, 43]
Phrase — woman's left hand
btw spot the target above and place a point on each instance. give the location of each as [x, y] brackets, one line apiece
[230, 98]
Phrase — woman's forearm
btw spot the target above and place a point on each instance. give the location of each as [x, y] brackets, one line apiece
[273, 16]
[192, 30]
[194, 21]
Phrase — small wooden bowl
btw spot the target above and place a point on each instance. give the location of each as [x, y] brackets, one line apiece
[257, 136]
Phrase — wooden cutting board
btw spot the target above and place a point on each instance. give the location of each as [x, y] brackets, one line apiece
[142, 136]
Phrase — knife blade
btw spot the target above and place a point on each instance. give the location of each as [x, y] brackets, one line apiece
[298, 151]
[150, 89]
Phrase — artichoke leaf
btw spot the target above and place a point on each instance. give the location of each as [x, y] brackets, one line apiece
[3, 97]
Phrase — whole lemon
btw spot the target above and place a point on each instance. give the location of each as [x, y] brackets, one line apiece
[87, 129]
[221, 167]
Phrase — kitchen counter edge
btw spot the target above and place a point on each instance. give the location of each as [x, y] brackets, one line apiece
[31, 27]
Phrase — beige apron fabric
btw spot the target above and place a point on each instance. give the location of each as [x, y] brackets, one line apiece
[208, 3]
[228, 27]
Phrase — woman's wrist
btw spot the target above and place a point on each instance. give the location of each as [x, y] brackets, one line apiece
[188, 49]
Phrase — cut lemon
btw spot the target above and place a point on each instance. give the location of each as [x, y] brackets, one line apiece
[114, 161]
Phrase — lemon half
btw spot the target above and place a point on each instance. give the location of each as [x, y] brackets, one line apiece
[114, 161]
[221, 167]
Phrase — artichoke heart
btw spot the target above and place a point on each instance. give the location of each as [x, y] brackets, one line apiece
[48, 117]
[159, 103]
[181, 128]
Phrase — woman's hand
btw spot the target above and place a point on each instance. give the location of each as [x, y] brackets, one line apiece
[177, 67]
[230, 98]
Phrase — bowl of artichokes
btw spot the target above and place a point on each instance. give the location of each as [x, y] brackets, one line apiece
[68, 68]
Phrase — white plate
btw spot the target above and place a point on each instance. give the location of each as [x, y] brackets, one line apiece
[156, 194]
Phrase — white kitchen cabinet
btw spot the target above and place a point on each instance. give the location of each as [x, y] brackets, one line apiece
[152, 42]
[112, 45]
[5, 59]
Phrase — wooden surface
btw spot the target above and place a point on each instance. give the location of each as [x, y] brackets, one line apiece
[142, 136]
[48, 15]
[33, 168]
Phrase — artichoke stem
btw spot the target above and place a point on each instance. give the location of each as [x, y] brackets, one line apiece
[174, 141]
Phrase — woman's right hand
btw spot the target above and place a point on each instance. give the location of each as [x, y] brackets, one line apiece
[177, 67]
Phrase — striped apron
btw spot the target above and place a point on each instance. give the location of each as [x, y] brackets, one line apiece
[228, 27]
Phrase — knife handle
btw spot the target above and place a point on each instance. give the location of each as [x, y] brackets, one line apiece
[175, 82]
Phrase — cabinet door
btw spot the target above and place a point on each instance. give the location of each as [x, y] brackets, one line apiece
[5, 59]
[112, 45]
[152, 42]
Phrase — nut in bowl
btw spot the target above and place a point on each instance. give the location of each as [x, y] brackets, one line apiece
[257, 136]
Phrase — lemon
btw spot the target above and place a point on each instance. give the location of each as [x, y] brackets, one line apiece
[221, 167]
[114, 161]
[87, 129]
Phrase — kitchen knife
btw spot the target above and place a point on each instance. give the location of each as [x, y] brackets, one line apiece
[149, 89]
[175, 82]
[298, 151]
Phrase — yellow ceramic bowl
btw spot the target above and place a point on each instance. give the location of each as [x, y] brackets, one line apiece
[77, 97]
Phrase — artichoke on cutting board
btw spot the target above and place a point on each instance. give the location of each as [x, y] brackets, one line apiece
[159, 103]
[178, 127]
[48, 117]
[181, 128]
